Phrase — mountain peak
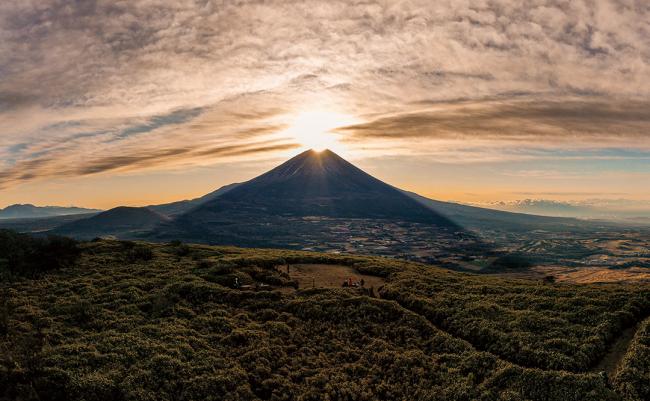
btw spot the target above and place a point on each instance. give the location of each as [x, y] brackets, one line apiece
[314, 184]
[20, 206]
[311, 165]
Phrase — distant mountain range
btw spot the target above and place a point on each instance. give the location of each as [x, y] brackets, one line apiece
[311, 197]
[28, 211]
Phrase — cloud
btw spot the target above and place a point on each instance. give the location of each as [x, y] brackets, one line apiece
[51, 166]
[619, 208]
[130, 85]
[14, 100]
[590, 122]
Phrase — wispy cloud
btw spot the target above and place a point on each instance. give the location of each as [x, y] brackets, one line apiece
[96, 86]
[578, 121]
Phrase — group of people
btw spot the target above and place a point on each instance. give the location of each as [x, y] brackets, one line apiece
[350, 282]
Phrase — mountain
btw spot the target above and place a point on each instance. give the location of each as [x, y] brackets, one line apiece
[299, 202]
[319, 184]
[23, 211]
[123, 222]
[319, 201]
[177, 208]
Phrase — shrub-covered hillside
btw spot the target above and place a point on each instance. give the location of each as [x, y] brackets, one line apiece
[135, 321]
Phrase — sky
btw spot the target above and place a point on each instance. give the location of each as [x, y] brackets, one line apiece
[106, 103]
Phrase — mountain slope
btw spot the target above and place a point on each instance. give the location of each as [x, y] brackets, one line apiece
[320, 201]
[124, 222]
[318, 184]
[180, 207]
[23, 211]
[477, 218]
[314, 198]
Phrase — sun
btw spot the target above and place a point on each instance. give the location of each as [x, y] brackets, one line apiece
[315, 129]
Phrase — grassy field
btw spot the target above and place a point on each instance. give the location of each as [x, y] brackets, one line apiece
[135, 321]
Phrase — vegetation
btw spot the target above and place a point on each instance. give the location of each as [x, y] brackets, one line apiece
[24, 255]
[174, 327]
[511, 261]
[529, 323]
[633, 380]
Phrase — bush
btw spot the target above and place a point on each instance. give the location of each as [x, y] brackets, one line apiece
[127, 244]
[4, 319]
[24, 255]
[182, 250]
[58, 252]
[511, 261]
[139, 253]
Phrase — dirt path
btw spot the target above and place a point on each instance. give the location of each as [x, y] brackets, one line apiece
[330, 276]
[612, 360]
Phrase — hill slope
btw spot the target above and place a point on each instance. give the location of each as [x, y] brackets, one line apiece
[123, 222]
[168, 326]
[177, 208]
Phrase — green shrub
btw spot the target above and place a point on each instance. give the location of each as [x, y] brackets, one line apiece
[182, 250]
[4, 318]
[512, 261]
[24, 255]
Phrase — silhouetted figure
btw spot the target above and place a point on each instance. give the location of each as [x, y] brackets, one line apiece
[362, 282]
[237, 285]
